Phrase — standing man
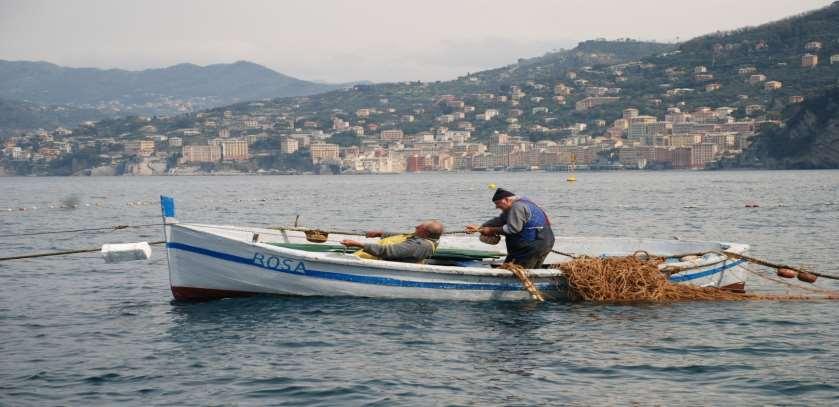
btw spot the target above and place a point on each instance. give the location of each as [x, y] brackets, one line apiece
[525, 227]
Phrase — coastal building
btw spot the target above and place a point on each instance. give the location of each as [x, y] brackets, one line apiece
[195, 154]
[323, 152]
[418, 163]
[638, 126]
[224, 132]
[175, 142]
[685, 140]
[561, 89]
[232, 149]
[139, 147]
[702, 154]
[796, 99]
[303, 139]
[681, 158]
[834, 59]
[813, 46]
[676, 116]
[489, 114]
[17, 153]
[773, 85]
[340, 124]
[455, 104]
[457, 136]
[250, 123]
[391, 135]
[590, 102]
[757, 78]
[630, 113]
[809, 61]
[289, 145]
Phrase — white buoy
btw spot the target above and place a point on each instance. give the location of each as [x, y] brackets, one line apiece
[122, 252]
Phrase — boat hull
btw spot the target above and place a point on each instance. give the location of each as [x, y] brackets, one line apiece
[209, 262]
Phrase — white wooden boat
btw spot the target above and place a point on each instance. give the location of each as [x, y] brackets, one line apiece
[218, 261]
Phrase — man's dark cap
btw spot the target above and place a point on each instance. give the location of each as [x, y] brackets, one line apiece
[501, 193]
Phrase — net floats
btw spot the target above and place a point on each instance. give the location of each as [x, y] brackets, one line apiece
[800, 275]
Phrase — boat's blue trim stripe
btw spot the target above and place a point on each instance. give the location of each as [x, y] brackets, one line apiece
[354, 278]
[706, 273]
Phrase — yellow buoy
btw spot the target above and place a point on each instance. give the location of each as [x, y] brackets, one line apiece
[571, 178]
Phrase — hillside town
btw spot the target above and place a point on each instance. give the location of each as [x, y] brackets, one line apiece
[556, 125]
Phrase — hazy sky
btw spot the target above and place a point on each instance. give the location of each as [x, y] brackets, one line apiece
[331, 40]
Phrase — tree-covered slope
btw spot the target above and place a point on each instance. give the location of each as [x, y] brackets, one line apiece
[809, 138]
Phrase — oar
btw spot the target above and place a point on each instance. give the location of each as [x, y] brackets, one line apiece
[316, 235]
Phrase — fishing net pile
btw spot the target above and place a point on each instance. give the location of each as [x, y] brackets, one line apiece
[632, 279]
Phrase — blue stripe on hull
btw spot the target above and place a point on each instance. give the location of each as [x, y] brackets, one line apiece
[706, 273]
[353, 278]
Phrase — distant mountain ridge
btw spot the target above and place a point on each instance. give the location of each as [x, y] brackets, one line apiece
[202, 86]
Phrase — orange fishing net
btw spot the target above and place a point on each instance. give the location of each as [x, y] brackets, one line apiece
[633, 279]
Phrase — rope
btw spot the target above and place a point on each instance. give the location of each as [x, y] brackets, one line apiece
[55, 232]
[787, 283]
[521, 273]
[778, 266]
[564, 254]
[61, 253]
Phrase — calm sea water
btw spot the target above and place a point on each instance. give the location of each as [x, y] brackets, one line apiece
[75, 331]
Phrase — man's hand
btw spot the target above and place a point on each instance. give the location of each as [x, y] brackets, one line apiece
[352, 243]
[485, 230]
[374, 233]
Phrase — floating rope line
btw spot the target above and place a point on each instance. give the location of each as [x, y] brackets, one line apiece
[61, 253]
[779, 266]
[791, 285]
[56, 232]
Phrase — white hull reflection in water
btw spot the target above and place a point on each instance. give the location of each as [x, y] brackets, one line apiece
[214, 261]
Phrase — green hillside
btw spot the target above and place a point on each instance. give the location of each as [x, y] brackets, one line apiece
[808, 140]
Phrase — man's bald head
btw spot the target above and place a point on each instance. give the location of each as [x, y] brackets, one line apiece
[431, 229]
